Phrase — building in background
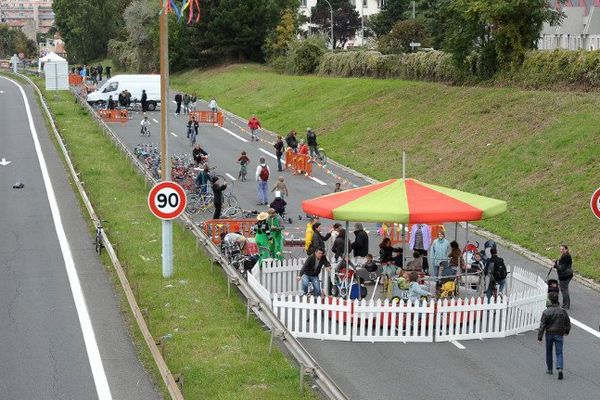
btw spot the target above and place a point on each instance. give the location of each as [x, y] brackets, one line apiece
[52, 45]
[365, 8]
[579, 30]
[30, 16]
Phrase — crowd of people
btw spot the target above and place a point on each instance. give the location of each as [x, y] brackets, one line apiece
[92, 72]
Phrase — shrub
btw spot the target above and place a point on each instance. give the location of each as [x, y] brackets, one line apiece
[302, 57]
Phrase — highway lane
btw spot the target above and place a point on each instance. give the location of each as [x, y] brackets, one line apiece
[62, 335]
[511, 368]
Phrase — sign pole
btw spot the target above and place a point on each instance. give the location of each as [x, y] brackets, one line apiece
[167, 226]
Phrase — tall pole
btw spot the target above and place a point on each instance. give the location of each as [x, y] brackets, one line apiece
[331, 9]
[167, 226]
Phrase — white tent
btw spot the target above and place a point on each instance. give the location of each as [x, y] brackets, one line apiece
[56, 70]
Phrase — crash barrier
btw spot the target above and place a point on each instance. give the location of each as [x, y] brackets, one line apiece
[75, 79]
[298, 163]
[394, 232]
[208, 117]
[331, 318]
[114, 115]
[213, 228]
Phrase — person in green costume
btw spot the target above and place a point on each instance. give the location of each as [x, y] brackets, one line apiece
[262, 237]
[276, 228]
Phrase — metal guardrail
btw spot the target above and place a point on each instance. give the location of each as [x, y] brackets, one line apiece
[308, 364]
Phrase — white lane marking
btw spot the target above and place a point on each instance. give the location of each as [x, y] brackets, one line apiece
[174, 134]
[230, 176]
[155, 120]
[4, 163]
[234, 135]
[320, 182]
[1, 91]
[173, 101]
[89, 338]
[457, 344]
[267, 153]
[586, 328]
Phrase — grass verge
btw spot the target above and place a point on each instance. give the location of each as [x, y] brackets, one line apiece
[540, 151]
[220, 355]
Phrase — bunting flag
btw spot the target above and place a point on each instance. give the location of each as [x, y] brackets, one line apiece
[193, 7]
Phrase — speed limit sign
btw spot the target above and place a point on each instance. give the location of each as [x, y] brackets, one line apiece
[595, 203]
[167, 200]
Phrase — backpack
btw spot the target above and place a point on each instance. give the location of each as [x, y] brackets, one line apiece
[264, 173]
[499, 271]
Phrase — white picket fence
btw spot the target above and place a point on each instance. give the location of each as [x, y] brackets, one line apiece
[384, 321]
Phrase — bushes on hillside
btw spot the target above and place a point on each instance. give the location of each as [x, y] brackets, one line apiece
[578, 69]
[424, 65]
[302, 57]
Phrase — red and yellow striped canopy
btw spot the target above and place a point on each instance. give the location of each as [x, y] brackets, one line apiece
[405, 201]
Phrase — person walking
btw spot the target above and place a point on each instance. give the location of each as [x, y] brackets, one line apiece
[186, 103]
[555, 322]
[99, 69]
[254, 125]
[108, 67]
[262, 177]
[440, 249]
[212, 104]
[497, 272]
[218, 196]
[564, 268]
[420, 240]
[193, 101]
[311, 270]
[178, 100]
[276, 228]
[192, 130]
[144, 101]
[280, 186]
[279, 152]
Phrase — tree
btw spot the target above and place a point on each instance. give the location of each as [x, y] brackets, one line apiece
[402, 34]
[278, 41]
[346, 20]
[497, 33]
[13, 41]
[392, 12]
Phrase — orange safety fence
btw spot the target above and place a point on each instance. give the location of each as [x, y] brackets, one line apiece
[215, 227]
[209, 117]
[75, 80]
[114, 115]
[298, 162]
[394, 232]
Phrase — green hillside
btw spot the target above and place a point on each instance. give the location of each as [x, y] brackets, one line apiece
[540, 151]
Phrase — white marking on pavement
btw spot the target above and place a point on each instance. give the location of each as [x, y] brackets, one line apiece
[4, 163]
[1, 91]
[173, 101]
[267, 153]
[320, 182]
[89, 338]
[174, 134]
[230, 176]
[457, 344]
[585, 328]
[234, 135]
[155, 120]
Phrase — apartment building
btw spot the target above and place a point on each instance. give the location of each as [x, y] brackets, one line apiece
[579, 30]
[31, 16]
[364, 8]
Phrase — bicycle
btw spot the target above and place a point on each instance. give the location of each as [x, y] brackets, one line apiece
[98, 242]
[197, 202]
[321, 156]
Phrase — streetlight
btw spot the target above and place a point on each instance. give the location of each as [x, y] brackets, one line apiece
[331, 8]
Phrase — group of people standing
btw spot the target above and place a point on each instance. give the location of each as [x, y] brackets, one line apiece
[188, 101]
[93, 72]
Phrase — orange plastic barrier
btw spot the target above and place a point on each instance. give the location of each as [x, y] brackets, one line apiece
[298, 162]
[395, 235]
[75, 80]
[208, 117]
[215, 227]
[114, 115]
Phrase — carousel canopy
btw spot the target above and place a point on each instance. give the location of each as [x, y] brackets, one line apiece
[406, 201]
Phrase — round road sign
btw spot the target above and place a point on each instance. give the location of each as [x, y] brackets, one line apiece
[167, 200]
[595, 203]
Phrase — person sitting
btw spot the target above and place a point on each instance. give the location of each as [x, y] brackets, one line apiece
[370, 265]
[199, 154]
[202, 180]
[415, 291]
[416, 264]
[278, 204]
[447, 273]
[386, 253]
[477, 265]
[455, 256]
[311, 270]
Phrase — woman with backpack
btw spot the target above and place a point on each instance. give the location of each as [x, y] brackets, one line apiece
[564, 268]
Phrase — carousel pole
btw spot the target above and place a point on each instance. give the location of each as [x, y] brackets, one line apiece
[403, 225]
[347, 256]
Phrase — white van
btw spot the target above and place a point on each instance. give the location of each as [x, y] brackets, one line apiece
[134, 84]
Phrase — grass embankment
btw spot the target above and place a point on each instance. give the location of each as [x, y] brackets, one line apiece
[220, 355]
[540, 151]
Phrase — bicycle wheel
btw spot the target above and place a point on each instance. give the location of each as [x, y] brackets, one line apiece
[206, 202]
[322, 156]
[193, 203]
[232, 201]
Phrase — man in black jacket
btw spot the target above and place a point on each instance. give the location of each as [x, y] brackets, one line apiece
[318, 240]
[291, 141]
[178, 100]
[360, 247]
[311, 269]
[218, 196]
[556, 323]
[144, 101]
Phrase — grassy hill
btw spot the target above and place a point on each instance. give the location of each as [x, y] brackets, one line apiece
[540, 151]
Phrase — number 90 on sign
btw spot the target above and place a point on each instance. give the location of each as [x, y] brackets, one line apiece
[167, 200]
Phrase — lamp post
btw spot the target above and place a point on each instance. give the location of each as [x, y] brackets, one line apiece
[331, 9]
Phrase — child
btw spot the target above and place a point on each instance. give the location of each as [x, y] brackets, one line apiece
[370, 265]
[338, 187]
[303, 148]
[281, 187]
[415, 291]
[278, 204]
[243, 161]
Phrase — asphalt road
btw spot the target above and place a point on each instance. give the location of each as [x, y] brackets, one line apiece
[46, 347]
[511, 368]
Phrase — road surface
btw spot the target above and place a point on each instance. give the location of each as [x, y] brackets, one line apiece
[511, 368]
[62, 335]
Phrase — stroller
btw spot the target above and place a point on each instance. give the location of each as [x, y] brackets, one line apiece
[552, 286]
